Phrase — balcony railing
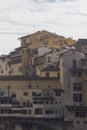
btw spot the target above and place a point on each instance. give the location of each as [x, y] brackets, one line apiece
[5, 105]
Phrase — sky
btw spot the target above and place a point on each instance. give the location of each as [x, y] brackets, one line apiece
[18, 18]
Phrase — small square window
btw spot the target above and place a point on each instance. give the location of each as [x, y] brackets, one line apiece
[13, 95]
[25, 94]
[78, 122]
[37, 86]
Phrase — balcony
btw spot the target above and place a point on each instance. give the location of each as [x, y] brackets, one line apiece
[5, 105]
[5, 115]
[53, 116]
[74, 108]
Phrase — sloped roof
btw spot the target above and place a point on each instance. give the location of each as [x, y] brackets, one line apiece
[38, 32]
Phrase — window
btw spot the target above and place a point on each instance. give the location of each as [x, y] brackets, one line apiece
[49, 59]
[3, 101]
[6, 67]
[55, 43]
[76, 74]
[45, 43]
[38, 111]
[29, 111]
[24, 112]
[77, 86]
[84, 62]
[78, 122]
[5, 111]
[51, 102]
[2, 93]
[34, 51]
[9, 72]
[37, 86]
[55, 102]
[49, 86]
[85, 122]
[58, 93]
[13, 95]
[48, 94]
[23, 51]
[15, 103]
[76, 114]
[16, 60]
[74, 64]
[33, 93]
[28, 51]
[24, 104]
[1, 71]
[29, 86]
[25, 94]
[35, 102]
[47, 102]
[77, 97]
[36, 94]
[81, 114]
[38, 102]
[58, 75]
[47, 74]
[49, 111]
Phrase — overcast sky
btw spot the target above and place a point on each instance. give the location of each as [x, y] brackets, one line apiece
[21, 17]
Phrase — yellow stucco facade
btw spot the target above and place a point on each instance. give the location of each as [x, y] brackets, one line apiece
[33, 41]
[30, 97]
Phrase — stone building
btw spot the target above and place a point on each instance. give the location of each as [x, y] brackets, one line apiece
[47, 97]
[72, 81]
[5, 65]
[16, 61]
[32, 96]
[81, 45]
[32, 42]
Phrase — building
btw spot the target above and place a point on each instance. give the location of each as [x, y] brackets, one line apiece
[81, 45]
[48, 71]
[48, 96]
[43, 37]
[36, 60]
[51, 67]
[28, 82]
[16, 61]
[5, 102]
[34, 97]
[72, 81]
[5, 65]
[41, 103]
[31, 55]
[45, 81]
[32, 42]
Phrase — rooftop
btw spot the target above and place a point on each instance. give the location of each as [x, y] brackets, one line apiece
[82, 41]
[39, 32]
